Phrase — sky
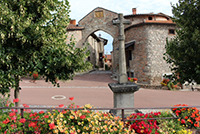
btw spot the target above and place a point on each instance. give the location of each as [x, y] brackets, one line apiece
[80, 9]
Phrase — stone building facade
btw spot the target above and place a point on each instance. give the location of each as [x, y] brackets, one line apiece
[94, 44]
[148, 32]
[145, 41]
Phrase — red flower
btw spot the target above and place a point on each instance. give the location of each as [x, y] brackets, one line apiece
[61, 105]
[32, 124]
[12, 114]
[46, 116]
[41, 112]
[22, 120]
[103, 56]
[129, 78]
[183, 121]
[25, 105]
[13, 126]
[16, 100]
[6, 121]
[35, 75]
[51, 125]
[82, 117]
[71, 98]
[135, 79]
[14, 118]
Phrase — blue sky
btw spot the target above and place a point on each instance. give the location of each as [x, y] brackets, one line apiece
[80, 8]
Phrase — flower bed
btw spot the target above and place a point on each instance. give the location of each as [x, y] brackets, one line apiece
[85, 120]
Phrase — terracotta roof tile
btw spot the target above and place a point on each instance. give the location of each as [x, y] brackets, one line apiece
[74, 27]
[109, 57]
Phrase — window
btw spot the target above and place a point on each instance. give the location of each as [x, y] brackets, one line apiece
[88, 58]
[150, 18]
[130, 55]
[171, 31]
[100, 56]
[132, 74]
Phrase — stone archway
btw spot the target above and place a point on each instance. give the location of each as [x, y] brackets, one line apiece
[101, 19]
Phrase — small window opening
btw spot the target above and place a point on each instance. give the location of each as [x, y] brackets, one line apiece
[150, 18]
[100, 56]
[171, 31]
[132, 74]
[130, 55]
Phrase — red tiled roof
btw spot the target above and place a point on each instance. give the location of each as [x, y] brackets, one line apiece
[74, 27]
[109, 57]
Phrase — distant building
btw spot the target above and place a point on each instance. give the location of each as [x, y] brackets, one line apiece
[108, 60]
[145, 40]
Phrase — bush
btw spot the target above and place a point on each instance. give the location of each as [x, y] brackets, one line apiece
[144, 126]
[188, 116]
[169, 125]
[106, 67]
[64, 121]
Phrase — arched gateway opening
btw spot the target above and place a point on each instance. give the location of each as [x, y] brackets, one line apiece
[101, 19]
[100, 47]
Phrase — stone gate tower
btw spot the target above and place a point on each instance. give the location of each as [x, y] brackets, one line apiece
[101, 19]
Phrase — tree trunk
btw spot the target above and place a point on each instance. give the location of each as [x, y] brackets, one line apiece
[16, 93]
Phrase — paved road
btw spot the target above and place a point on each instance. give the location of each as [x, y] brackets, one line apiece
[93, 89]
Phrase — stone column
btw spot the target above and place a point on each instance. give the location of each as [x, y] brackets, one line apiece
[122, 76]
[123, 91]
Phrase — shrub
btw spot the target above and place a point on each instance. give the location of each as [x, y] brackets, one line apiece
[144, 126]
[62, 121]
[169, 125]
[188, 116]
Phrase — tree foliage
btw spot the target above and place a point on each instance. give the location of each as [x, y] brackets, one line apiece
[33, 38]
[183, 52]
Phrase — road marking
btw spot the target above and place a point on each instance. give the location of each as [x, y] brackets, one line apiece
[58, 97]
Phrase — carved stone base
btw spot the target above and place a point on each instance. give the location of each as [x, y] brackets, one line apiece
[123, 96]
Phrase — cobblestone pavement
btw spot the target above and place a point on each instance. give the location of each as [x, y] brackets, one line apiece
[93, 88]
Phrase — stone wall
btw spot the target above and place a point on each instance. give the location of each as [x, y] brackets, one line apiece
[92, 48]
[139, 55]
[147, 57]
[75, 34]
[157, 35]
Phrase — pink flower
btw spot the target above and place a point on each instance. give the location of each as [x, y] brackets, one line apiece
[16, 100]
[22, 120]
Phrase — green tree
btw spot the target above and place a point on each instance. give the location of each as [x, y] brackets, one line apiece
[183, 52]
[33, 38]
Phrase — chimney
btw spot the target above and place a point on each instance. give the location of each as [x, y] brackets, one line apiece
[134, 10]
[73, 22]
